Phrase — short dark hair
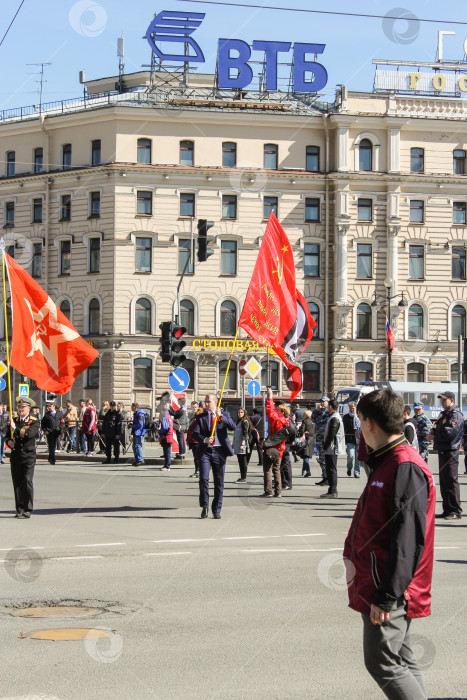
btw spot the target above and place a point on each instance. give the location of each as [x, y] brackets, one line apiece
[334, 404]
[407, 409]
[384, 407]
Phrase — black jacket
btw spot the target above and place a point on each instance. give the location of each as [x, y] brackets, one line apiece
[112, 424]
[50, 423]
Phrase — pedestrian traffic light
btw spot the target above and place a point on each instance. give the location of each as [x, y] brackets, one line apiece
[176, 356]
[166, 340]
[204, 240]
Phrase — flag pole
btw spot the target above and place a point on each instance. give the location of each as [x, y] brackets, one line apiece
[225, 377]
[2, 249]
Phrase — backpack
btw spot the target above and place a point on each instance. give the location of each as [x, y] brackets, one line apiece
[146, 419]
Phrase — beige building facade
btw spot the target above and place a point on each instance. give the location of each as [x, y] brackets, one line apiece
[101, 197]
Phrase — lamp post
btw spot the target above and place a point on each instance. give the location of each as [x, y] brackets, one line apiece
[376, 305]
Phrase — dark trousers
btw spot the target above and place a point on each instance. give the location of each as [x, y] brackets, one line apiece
[52, 445]
[448, 463]
[271, 467]
[195, 450]
[167, 449]
[90, 442]
[22, 474]
[211, 459]
[286, 469]
[181, 443]
[331, 472]
[109, 442]
[243, 464]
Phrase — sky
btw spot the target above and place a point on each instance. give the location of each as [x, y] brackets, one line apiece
[74, 35]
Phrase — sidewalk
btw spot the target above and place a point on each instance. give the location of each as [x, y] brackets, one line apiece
[152, 453]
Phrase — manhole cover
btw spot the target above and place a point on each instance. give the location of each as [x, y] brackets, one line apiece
[65, 634]
[57, 611]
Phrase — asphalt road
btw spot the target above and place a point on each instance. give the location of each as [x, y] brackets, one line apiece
[250, 606]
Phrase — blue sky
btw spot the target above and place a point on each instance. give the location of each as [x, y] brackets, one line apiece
[75, 35]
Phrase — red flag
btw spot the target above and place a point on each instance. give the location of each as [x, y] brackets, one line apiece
[390, 339]
[45, 345]
[275, 313]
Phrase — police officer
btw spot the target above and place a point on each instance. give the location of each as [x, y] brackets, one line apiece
[51, 427]
[423, 427]
[320, 417]
[22, 443]
[448, 435]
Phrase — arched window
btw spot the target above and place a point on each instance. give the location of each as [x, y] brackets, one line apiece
[143, 316]
[189, 365]
[363, 321]
[231, 382]
[415, 372]
[94, 316]
[363, 372]
[415, 321]
[314, 311]
[65, 308]
[228, 318]
[310, 376]
[274, 382]
[187, 316]
[365, 158]
[458, 322]
[143, 373]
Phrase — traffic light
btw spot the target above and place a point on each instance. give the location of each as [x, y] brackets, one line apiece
[166, 340]
[171, 343]
[204, 240]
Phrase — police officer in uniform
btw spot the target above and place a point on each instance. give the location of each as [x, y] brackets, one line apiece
[448, 435]
[320, 417]
[22, 443]
[423, 426]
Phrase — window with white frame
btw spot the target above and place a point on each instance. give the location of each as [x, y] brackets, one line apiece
[143, 311]
[228, 257]
[66, 156]
[363, 372]
[96, 152]
[311, 259]
[458, 165]
[65, 207]
[94, 316]
[314, 313]
[417, 211]
[10, 164]
[37, 205]
[270, 156]
[9, 214]
[229, 206]
[458, 263]
[416, 321]
[365, 157]
[311, 376]
[229, 154]
[269, 205]
[187, 316]
[312, 209]
[415, 372]
[416, 262]
[184, 254]
[64, 263]
[144, 203]
[363, 321]
[142, 372]
[228, 318]
[36, 262]
[365, 209]
[92, 375]
[364, 260]
[231, 381]
[458, 324]
[38, 160]
[458, 212]
[65, 308]
[312, 159]
[274, 375]
[94, 253]
[144, 151]
[143, 254]
[187, 150]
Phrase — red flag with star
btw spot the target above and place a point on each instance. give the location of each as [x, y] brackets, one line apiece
[275, 313]
[45, 345]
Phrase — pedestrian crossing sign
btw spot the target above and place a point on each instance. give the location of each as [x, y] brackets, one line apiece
[24, 391]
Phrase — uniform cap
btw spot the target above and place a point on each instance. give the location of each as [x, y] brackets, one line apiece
[112, 403]
[325, 398]
[419, 404]
[446, 395]
[24, 401]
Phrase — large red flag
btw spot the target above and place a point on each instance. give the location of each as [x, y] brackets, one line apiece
[45, 345]
[275, 313]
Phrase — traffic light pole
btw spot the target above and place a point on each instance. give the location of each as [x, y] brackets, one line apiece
[190, 259]
[459, 373]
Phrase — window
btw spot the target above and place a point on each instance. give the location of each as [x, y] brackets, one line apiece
[365, 155]
[270, 156]
[95, 204]
[415, 321]
[65, 308]
[187, 204]
[314, 312]
[93, 375]
[9, 214]
[363, 372]
[231, 381]
[312, 159]
[364, 260]
[365, 210]
[65, 258]
[417, 211]
[229, 206]
[65, 207]
[94, 316]
[228, 258]
[416, 262]
[274, 375]
[143, 373]
[458, 166]
[269, 205]
[38, 160]
[312, 209]
[458, 213]
[36, 264]
[311, 260]
[184, 253]
[10, 163]
[143, 316]
[187, 153]
[458, 322]
[143, 254]
[66, 156]
[37, 210]
[94, 254]
[415, 372]
[417, 160]
[458, 263]
[228, 318]
[229, 154]
[187, 316]
[11, 251]
[96, 152]
[310, 376]
[363, 321]
[454, 372]
[189, 365]
[144, 203]
[144, 151]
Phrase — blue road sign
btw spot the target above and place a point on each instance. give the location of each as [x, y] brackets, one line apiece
[254, 388]
[24, 390]
[2, 384]
[179, 379]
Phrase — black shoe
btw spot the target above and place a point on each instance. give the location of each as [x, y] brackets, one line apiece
[116, 461]
[333, 494]
[216, 516]
[204, 513]
[349, 472]
[107, 461]
[449, 516]
[440, 515]
[323, 482]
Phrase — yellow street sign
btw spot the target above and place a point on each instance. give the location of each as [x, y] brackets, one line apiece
[3, 368]
[253, 367]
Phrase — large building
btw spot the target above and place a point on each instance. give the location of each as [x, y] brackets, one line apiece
[101, 197]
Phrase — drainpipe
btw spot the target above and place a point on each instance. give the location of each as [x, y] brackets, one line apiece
[326, 269]
[47, 206]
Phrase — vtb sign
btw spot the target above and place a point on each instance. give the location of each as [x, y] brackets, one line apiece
[233, 55]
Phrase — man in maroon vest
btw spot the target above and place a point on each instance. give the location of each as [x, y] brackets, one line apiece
[389, 549]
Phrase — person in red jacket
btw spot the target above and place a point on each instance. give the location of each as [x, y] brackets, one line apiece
[273, 455]
[389, 548]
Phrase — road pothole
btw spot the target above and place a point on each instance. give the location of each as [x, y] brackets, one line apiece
[68, 634]
[57, 611]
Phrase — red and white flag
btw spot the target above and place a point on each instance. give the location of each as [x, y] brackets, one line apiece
[45, 345]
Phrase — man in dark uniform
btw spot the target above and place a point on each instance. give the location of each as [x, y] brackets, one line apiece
[448, 435]
[51, 427]
[423, 425]
[112, 427]
[23, 455]
[320, 417]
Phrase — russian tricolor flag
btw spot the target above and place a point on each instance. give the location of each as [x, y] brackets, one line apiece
[390, 340]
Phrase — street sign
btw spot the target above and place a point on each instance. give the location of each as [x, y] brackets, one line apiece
[254, 388]
[179, 379]
[23, 390]
[253, 367]
[3, 369]
[2, 384]
[241, 368]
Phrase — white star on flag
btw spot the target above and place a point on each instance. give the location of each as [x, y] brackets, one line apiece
[64, 335]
